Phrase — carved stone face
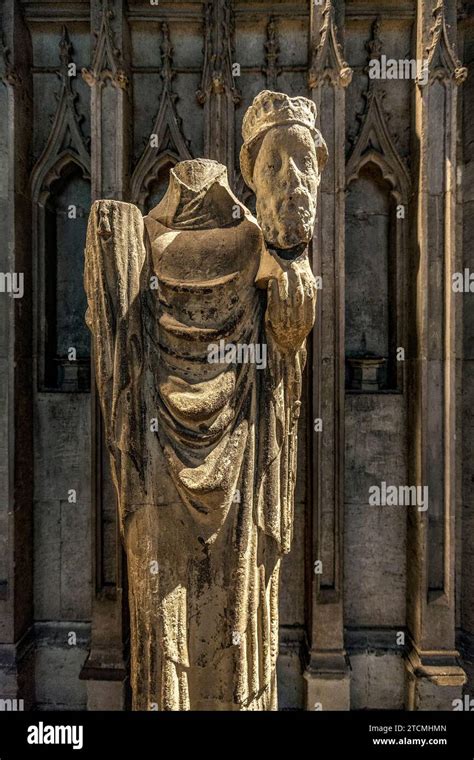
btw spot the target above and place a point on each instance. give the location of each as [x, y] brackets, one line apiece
[285, 177]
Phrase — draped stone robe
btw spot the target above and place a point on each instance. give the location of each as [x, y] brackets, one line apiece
[203, 453]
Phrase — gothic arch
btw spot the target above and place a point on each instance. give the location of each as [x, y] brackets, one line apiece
[442, 62]
[170, 146]
[64, 160]
[375, 152]
[375, 145]
[65, 142]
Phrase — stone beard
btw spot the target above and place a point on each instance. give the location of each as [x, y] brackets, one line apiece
[203, 452]
[288, 183]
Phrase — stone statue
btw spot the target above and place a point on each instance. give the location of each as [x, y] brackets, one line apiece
[199, 314]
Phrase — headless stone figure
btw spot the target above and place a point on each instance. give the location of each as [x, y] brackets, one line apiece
[202, 437]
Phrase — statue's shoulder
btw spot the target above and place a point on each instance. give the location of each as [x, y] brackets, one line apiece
[251, 228]
[244, 223]
[154, 227]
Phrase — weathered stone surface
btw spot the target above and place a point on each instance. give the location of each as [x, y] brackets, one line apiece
[203, 449]
[290, 682]
[292, 579]
[377, 432]
[62, 562]
[47, 561]
[75, 561]
[377, 681]
[375, 536]
[58, 662]
[66, 465]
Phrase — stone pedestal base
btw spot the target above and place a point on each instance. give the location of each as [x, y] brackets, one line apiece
[107, 685]
[105, 669]
[17, 674]
[106, 695]
[327, 682]
[434, 680]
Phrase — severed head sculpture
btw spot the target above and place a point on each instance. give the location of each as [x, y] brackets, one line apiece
[281, 160]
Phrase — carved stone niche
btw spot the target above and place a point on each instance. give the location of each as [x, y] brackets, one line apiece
[64, 302]
[376, 248]
[60, 192]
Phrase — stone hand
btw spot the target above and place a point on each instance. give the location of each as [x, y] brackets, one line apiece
[291, 304]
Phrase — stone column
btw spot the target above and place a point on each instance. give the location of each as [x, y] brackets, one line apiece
[16, 376]
[467, 379]
[434, 677]
[111, 120]
[327, 673]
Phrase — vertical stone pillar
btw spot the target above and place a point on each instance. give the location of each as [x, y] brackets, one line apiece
[110, 100]
[16, 377]
[217, 92]
[467, 379]
[434, 677]
[327, 674]
[107, 76]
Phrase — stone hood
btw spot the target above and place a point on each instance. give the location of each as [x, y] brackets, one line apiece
[198, 198]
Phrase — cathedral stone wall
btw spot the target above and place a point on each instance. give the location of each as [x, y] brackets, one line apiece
[102, 98]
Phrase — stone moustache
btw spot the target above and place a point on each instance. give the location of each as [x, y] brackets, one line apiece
[203, 453]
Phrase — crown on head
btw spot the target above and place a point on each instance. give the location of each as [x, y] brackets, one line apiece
[271, 109]
[274, 109]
